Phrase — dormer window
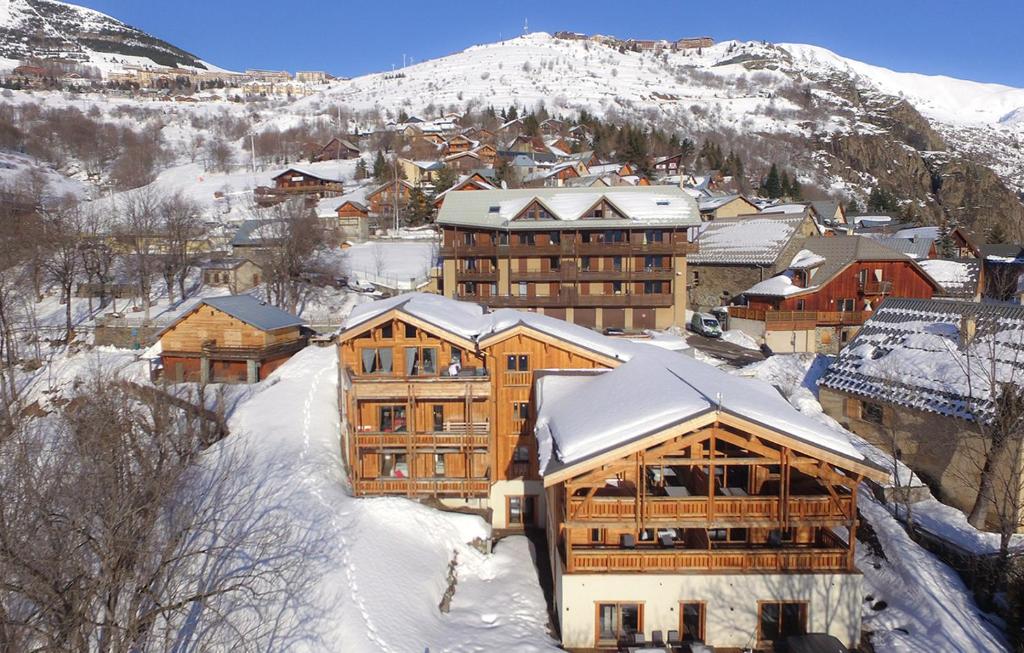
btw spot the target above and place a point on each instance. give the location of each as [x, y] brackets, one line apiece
[494, 209]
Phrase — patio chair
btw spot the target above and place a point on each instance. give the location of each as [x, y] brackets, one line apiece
[656, 638]
[638, 638]
[628, 542]
[673, 638]
[667, 541]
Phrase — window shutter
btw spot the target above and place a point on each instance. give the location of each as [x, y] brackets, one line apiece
[852, 408]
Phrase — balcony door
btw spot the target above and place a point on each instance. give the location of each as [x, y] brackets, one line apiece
[618, 622]
[779, 620]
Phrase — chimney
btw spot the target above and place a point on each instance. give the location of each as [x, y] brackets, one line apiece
[968, 329]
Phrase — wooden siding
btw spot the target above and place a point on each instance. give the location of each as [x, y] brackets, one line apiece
[206, 323]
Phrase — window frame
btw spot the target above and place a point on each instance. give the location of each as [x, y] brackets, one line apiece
[619, 634]
[394, 414]
[699, 637]
[868, 408]
[523, 511]
[804, 618]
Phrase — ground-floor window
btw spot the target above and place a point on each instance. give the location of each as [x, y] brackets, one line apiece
[394, 465]
[691, 621]
[779, 620]
[617, 622]
[521, 511]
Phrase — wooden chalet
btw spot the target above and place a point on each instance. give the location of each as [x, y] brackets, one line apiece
[830, 288]
[464, 161]
[299, 181]
[233, 339]
[458, 144]
[336, 149]
[687, 505]
[475, 181]
[669, 165]
[418, 427]
[382, 199]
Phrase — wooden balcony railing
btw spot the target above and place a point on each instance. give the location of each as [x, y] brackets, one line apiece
[724, 560]
[211, 350]
[476, 275]
[798, 320]
[474, 435]
[475, 383]
[875, 287]
[518, 378]
[424, 486]
[703, 510]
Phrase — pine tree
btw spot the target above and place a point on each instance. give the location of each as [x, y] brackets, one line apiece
[403, 116]
[772, 186]
[996, 234]
[511, 114]
[380, 168]
[944, 242]
[796, 193]
[361, 171]
[784, 186]
[446, 178]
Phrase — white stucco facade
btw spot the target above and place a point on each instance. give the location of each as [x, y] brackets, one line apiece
[501, 490]
[730, 600]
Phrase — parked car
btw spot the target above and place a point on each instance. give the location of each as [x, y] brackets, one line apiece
[358, 285]
[706, 325]
[614, 331]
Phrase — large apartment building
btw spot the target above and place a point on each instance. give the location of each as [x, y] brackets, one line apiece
[680, 503]
[597, 257]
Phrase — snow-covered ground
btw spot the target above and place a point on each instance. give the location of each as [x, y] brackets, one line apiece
[737, 337]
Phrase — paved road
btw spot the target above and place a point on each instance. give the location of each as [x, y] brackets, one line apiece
[732, 354]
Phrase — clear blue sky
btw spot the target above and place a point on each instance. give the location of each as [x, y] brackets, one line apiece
[979, 40]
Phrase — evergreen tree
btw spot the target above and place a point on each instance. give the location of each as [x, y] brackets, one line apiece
[531, 126]
[772, 186]
[511, 114]
[403, 116]
[446, 178]
[996, 234]
[361, 171]
[882, 200]
[784, 186]
[944, 242]
[380, 168]
[852, 207]
[796, 193]
[419, 210]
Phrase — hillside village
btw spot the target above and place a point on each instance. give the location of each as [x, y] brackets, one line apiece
[291, 362]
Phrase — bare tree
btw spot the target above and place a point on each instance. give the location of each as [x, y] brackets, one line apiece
[219, 155]
[291, 236]
[180, 229]
[62, 235]
[138, 231]
[97, 255]
[153, 545]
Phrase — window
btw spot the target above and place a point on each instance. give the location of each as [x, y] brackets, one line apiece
[494, 289]
[437, 414]
[518, 362]
[862, 276]
[617, 263]
[394, 465]
[387, 331]
[845, 304]
[653, 262]
[471, 264]
[503, 238]
[521, 455]
[614, 236]
[617, 287]
[652, 288]
[727, 535]
[469, 238]
[654, 236]
[585, 236]
[584, 262]
[694, 277]
[596, 536]
[801, 305]
[523, 289]
[410, 332]
[392, 419]
[520, 410]
[421, 361]
[438, 464]
[555, 237]
[470, 287]
[871, 412]
[457, 356]
[376, 361]
[691, 621]
[554, 262]
[520, 511]
[779, 620]
[618, 621]
[526, 238]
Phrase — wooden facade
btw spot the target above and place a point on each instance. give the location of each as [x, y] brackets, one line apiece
[479, 421]
[625, 278]
[300, 182]
[209, 345]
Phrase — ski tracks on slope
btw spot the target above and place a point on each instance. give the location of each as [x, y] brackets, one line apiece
[313, 480]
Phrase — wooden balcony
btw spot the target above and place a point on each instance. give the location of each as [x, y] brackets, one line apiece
[456, 434]
[875, 287]
[751, 560]
[569, 298]
[798, 320]
[424, 486]
[700, 510]
[371, 386]
[211, 350]
[476, 275]
[518, 378]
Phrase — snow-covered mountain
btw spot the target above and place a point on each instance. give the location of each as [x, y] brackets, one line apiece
[845, 126]
[51, 29]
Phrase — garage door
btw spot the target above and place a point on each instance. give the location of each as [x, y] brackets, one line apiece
[585, 317]
[614, 317]
[643, 318]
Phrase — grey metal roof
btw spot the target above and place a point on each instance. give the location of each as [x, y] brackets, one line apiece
[839, 252]
[749, 240]
[662, 206]
[1010, 251]
[251, 233]
[254, 312]
[963, 284]
[224, 263]
[916, 248]
[896, 356]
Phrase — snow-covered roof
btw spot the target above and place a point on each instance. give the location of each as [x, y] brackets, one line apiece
[916, 248]
[715, 202]
[785, 208]
[476, 323]
[583, 414]
[931, 233]
[838, 252]
[958, 278]
[747, 241]
[910, 353]
[645, 205]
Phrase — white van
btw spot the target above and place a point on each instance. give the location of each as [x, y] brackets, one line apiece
[706, 325]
